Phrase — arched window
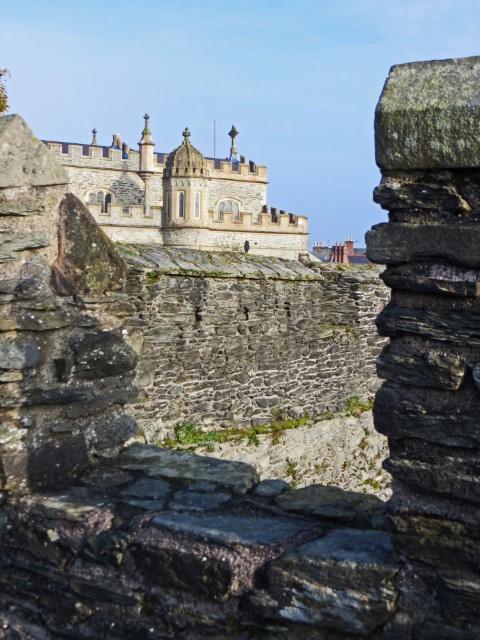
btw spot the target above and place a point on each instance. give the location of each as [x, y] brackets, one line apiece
[228, 206]
[181, 204]
[102, 198]
[197, 206]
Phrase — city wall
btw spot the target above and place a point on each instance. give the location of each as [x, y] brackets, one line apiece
[235, 340]
[159, 543]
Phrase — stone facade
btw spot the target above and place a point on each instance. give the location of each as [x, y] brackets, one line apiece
[234, 339]
[127, 191]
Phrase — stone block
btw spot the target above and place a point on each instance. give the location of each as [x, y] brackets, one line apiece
[24, 160]
[428, 116]
[102, 354]
[425, 370]
[343, 582]
[394, 244]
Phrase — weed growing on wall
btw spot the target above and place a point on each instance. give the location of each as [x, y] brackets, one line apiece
[354, 406]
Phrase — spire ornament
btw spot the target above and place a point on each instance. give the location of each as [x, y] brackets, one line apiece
[94, 138]
[186, 134]
[233, 133]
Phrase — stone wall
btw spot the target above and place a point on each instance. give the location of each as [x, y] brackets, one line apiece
[156, 543]
[65, 369]
[427, 128]
[236, 340]
[251, 196]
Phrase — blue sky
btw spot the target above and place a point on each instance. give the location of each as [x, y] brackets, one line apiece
[299, 79]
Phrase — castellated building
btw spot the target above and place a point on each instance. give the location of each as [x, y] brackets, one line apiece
[180, 199]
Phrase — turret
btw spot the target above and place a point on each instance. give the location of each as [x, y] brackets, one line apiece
[146, 145]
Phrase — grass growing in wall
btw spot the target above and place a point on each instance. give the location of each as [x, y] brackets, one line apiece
[191, 435]
[354, 406]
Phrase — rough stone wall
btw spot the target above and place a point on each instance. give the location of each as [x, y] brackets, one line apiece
[251, 196]
[235, 340]
[62, 397]
[427, 127]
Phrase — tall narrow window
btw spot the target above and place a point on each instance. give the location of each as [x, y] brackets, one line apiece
[197, 206]
[181, 204]
[168, 205]
[235, 212]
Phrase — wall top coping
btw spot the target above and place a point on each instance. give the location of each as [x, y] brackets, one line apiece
[183, 261]
[428, 116]
[24, 160]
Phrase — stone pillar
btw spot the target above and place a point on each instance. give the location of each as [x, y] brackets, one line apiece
[65, 368]
[427, 132]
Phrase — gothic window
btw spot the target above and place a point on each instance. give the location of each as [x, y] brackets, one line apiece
[103, 198]
[168, 206]
[228, 206]
[181, 204]
[197, 206]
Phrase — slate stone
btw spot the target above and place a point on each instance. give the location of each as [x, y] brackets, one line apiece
[87, 261]
[106, 478]
[194, 501]
[333, 503]
[231, 530]
[428, 370]
[397, 243]
[476, 374]
[24, 160]
[419, 195]
[449, 421]
[107, 547]
[102, 354]
[147, 488]
[209, 578]
[157, 504]
[155, 462]
[458, 327]
[271, 488]
[111, 433]
[344, 581]
[18, 356]
[67, 507]
[442, 280]
[428, 116]
[12, 244]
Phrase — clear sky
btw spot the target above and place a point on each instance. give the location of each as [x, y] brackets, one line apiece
[299, 79]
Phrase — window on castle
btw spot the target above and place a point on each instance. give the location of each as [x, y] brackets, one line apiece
[181, 204]
[102, 198]
[197, 206]
[228, 206]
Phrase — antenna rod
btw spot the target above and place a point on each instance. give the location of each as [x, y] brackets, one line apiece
[214, 138]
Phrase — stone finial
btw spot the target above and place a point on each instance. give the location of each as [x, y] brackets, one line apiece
[94, 138]
[428, 116]
[146, 133]
[186, 134]
[233, 133]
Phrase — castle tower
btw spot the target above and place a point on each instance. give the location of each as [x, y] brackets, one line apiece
[185, 187]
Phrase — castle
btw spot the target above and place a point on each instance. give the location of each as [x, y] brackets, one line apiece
[180, 199]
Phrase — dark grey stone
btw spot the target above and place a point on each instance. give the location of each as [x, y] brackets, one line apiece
[332, 503]
[192, 501]
[18, 356]
[344, 581]
[111, 433]
[155, 462]
[148, 488]
[12, 244]
[428, 370]
[271, 487]
[232, 530]
[397, 243]
[102, 354]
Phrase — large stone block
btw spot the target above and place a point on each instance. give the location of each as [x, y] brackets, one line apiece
[428, 116]
[394, 244]
[24, 160]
